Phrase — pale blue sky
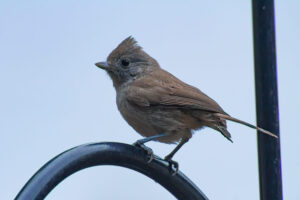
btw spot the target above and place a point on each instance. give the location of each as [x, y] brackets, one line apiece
[54, 98]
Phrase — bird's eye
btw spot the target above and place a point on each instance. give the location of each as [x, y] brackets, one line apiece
[125, 62]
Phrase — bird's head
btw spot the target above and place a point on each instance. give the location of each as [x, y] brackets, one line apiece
[128, 62]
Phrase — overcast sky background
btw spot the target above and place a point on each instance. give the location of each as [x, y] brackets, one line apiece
[53, 97]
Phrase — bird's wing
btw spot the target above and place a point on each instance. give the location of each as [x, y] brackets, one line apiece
[160, 88]
[157, 90]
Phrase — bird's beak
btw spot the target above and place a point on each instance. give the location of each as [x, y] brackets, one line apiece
[102, 65]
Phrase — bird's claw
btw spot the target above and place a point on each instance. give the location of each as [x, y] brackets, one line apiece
[173, 166]
[146, 149]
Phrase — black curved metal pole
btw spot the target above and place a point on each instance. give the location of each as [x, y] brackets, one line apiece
[107, 153]
[266, 99]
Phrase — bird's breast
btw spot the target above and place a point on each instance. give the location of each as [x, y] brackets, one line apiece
[137, 117]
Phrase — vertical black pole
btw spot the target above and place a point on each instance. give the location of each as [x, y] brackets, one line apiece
[266, 99]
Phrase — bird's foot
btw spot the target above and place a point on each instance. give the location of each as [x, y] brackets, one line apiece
[173, 165]
[146, 149]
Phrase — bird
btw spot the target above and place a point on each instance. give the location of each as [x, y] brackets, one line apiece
[158, 105]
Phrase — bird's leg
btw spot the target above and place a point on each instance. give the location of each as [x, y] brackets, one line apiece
[172, 163]
[140, 143]
[148, 139]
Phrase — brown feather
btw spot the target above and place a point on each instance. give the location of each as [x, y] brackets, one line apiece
[245, 123]
[156, 89]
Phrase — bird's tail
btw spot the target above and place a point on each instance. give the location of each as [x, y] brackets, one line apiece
[224, 132]
[227, 117]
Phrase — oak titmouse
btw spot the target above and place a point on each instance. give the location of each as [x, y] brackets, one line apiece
[158, 105]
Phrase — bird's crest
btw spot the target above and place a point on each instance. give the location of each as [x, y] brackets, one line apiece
[127, 46]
